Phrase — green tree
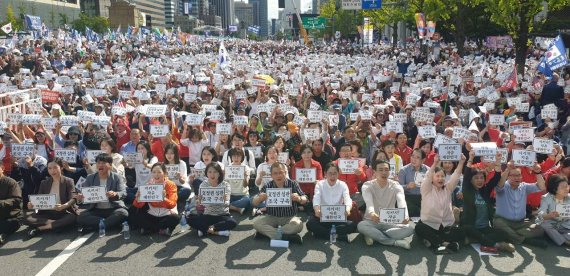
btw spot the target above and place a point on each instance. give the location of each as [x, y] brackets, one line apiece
[63, 19]
[391, 13]
[12, 18]
[98, 24]
[339, 19]
[517, 17]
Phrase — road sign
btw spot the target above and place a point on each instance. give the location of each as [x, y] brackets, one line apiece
[352, 4]
[314, 23]
[371, 4]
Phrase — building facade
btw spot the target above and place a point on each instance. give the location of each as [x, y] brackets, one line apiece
[224, 9]
[95, 7]
[50, 11]
[261, 9]
[244, 14]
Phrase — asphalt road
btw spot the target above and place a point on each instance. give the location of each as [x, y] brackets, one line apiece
[240, 254]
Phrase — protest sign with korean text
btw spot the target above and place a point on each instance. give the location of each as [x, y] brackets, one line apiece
[525, 158]
[235, 172]
[306, 175]
[94, 194]
[151, 193]
[43, 202]
[392, 215]
[278, 197]
[449, 152]
[212, 195]
[333, 213]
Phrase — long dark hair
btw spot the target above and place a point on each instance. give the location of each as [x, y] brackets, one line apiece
[212, 151]
[216, 166]
[174, 149]
[146, 145]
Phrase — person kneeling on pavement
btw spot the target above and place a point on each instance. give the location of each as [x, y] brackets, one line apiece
[383, 193]
[286, 216]
[113, 210]
[156, 216]
[331, 191]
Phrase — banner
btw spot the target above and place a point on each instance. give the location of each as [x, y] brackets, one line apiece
[499, 42]
[555, 57]
[49, 96]
[511, 82]
[7, 28]
[430, 28]
[421, 24]
[33, 22]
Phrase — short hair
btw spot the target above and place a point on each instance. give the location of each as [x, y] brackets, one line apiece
[346, 145]
[111, 144]
[239, 136]
[421, 152]
[332, 165]
[305, 146]
[236, 152]
[278, 165]
[388, 143]
[104, 157]
[566, 162]
[218, 168]
[378, 162]
[554, 181]
[146, 145]
[161, 165]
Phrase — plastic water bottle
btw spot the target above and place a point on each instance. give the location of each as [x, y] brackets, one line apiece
[184, 224]
[101, 228]
[126, 231]
[187, 208]
[333, 234]
[279, 234]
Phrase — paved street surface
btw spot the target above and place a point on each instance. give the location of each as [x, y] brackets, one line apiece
[240, 254]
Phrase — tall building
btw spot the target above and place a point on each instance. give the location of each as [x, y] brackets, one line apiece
[225, 10]
[152, 10]
[261, 8]
[50, 11]
[244, 13]
[169, 12]
[95, 7]
[317, 6]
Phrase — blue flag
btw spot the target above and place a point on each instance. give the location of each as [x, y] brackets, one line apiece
[555, 57]
[544, 68]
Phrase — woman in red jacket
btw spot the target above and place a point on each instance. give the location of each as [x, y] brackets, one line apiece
[307, 162]
[159, 216]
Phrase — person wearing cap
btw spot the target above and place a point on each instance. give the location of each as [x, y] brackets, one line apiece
[73, 134]
[341, 124]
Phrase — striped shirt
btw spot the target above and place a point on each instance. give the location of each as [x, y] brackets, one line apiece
[289, 211]
[218, 209]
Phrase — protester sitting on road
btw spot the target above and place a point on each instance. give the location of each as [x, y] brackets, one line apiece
[10, 205]
[112, 211]
[331, 191]
[285, 217]
[479, 208]
[239, 199]
[65, 212]
[411, 177]
[307, 162]
[177, 173]
[142, 170]
[382, 193]
[436, 225]
[108, 147]
[556, 227]
[216, 218]
[162, 216]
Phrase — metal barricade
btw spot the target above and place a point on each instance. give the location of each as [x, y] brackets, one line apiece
[20, 102]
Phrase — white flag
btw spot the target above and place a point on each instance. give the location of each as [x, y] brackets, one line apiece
[7, 28]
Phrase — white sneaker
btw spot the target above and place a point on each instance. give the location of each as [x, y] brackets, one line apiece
[241, 210]
[368, 240]
[402, 244]
[224, 233]
[200, 234]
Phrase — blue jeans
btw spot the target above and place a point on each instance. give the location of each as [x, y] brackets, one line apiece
[240, 201]
[183, 195]
[131, 193]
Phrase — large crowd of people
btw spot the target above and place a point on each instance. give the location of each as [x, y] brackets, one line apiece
[385, 142]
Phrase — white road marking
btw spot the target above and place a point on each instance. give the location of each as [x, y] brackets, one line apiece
[52, 266]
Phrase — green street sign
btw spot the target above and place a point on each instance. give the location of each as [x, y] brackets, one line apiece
[314, 23]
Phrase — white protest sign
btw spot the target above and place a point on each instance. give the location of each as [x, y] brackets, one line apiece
[67, 155]
[23, 150]
[459, 132]
[94, 194]
[306, 175]
[312, 133]
[314, 116]
[449, 152]
[427, 132]
[484, 149]
[549, 113]
[224, 128]
[212, 195]
[392, 215]
[563, 210]
[195, 119]
[43, 202]
[442, 139]
[31, 119]
[240, 120]
[102, 121]
[496, 119]
[151, 193]
[133, 158]
[283, 157]
[347, 166]
[524, 158]
[278, 197]
[257, 151]
[69, 120]
[397, 127]
[543, 145]
[399, 117]
[333, 213]
[235, 172]
[491, 158]
[92, 154]
[158, 131]
[49, 123]
[172, 170]
[197, 173]
[419, 178]
[153, 110]
[524, 134]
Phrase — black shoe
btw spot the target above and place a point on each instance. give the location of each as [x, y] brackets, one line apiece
[343, 238]
[441, 250]
[454, 246]
[2, 239]
[293, 238]
[32, 233]
[259, 236]
[536, 242]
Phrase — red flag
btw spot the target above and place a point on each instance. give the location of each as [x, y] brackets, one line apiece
[511, 82]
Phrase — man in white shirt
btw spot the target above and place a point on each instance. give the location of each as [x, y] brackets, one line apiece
[384, 193]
